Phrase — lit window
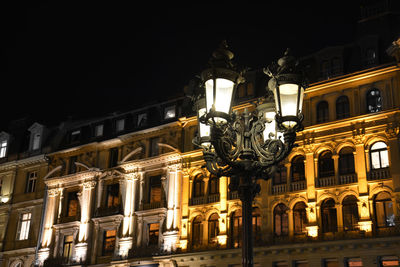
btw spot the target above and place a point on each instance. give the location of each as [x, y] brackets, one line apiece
[389, 261]
[374, 101]
[120, 125]
[67, 248]
[379, 156]
[98, 131]
[353, 262]
[24, 225]
[112, 199]
[155, 189]
[169, 112]
[142, 120]
[36, 141]
[109, 242]
[3, 148]
[331, 263]
[154, 229]
[31, 182]
[72, 204]
[384, 214]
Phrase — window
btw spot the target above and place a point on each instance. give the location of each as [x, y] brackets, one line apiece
[299, 218]
[379, 156]
[113, 161]
[67, 247]
[342, 107]
[280, 175]
[322, 112]
[109, 242]
[350, 213]
[374, 101]
[353, 262]
[3, 148]
[198, 186]
[155, 189]
[120, 125]
[31, 182]
[256, 224]
[331, 263]
[72, 204]
[196, 232]
[75, 136]
[389, 261]
[328, 216]
[213, 228]
[154, 229]
[281, 222]
[112, 197]
[301, 264]
[36, 141]
[346, 161]
[154, 149]
[213, 185]
[383, 206]
[370, 56]
[169, 112]
[236, 229]
[98, 130]
[23, 226]
[72, 166]
[298, 172]
[142, 120]
[325, 165]
[246, 90]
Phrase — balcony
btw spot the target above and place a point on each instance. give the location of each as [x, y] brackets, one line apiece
[298, 186]
[325, 181]
[108, 211]
[205, 199]
[279, 189]
[233, 195]
[348, 178]
[379, 174]
[153, 205]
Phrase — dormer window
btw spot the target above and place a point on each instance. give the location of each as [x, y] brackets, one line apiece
[36, 136]
[120, 125]
[98, 130]
[142, 120]
[169, 112]
[75, 135]
[3, 148]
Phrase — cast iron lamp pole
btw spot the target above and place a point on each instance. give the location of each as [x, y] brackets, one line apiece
[248, 146]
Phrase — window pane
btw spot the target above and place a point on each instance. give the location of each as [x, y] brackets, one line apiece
[354, 262]
[153, 233]
[389, 213]
[376, 163]
[331, 263]
[384, 159]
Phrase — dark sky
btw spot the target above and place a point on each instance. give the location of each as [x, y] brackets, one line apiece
[90, 59]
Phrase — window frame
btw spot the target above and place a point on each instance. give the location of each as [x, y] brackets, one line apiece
[280, 214]
[374, 103]
[329, 216]
[373, 150]
[322, 111]
[3, 148]
[298, 167]
[108, 252]
[31, 181]
[342, 107]
[302, 211]
[24, 225]
[350, 208]
[326, 166]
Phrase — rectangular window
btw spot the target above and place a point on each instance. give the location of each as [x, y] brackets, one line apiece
[352, 262]
[36, 141]
[153, 233]
[31, 182]
[75, 136]
[98, 130]
[389, 261]
[169, 112]
[142, 120]
[3, 148]
[155, 189]
[72, 204]
[112, 198]
[120, 125]
[301, 264]
[23, 226]
[331, 263]
[113, 157]
[109, 242]
[67, 247]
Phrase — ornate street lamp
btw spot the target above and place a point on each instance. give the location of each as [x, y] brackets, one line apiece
[248, 146]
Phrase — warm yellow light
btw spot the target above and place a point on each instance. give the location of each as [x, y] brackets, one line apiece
[288, 94]
[223, 94]
[365, 226]
[312, 231]
[203, 128]
[222, 239]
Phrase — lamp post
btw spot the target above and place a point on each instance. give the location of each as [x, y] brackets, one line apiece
[248, 146]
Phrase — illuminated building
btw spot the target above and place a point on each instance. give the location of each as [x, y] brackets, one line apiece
[130, 189]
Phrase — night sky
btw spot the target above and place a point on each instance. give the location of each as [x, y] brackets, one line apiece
[86, 60]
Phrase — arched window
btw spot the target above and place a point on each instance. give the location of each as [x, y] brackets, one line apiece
[328, 216]
[236, 229]
[342, 107]
[374, 101]
[198, 186]
[297, 168]
[299, 218]
[379, 156]
[280, 175]
[256, 224]
[213, 185]
[213, 228]
[346, 161]
[281, 223]
[196, 232]
[383, 206]
[350, 213]
[325, 164]
[322, 112]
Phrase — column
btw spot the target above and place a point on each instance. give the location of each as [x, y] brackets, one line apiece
[336, 167]
[365, 222]
[183, 242]
[312, 228]
[339, 217]
[310, 174]
[394, 159]
[288, 176]
[223, 191]
[361, 168]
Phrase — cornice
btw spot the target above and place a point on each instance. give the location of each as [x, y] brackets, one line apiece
[164, 160]
[23, 162]
[71, 179]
